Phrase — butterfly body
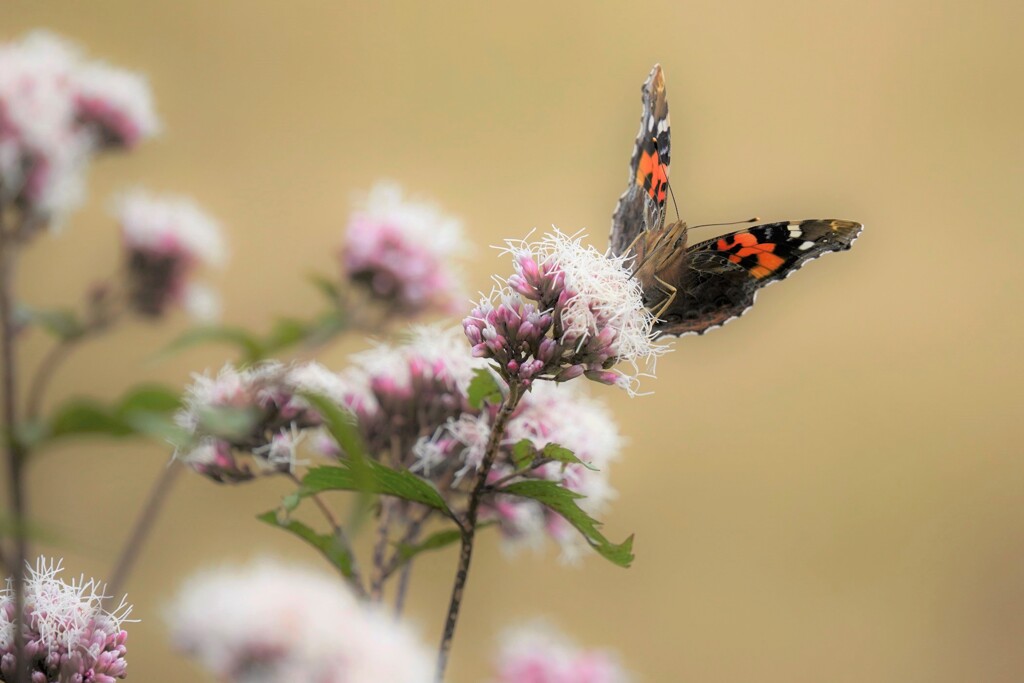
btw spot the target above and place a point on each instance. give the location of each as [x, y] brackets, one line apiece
[693, 289]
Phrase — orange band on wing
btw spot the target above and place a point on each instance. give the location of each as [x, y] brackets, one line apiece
[651, 175]
[767, 262]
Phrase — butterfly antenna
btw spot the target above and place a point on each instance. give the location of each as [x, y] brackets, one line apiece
[712, 225]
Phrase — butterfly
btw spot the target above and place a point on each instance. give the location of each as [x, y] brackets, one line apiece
[693, 289]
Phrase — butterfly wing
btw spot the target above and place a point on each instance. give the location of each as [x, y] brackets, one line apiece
[722, 275]
[642, 205]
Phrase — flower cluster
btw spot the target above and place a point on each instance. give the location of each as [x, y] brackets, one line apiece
[568, 310]
[57, 109]
[271, 623]
[165, 239]
[549, 414]
[68, 634]
[538, 654]
[259, 410]
[400, 252]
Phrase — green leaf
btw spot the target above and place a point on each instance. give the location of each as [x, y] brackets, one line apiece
[341, 424]
[86, 416]
[381, 479]
[563, 501]
[523, 453]
[144, 410]
[326, 286]
[249, 344]
[328, 544]
[483, 388]
[559, 453]
[228, 422]
[436, 541]
[286, 332]
[151, 398]
[61, 323]
[325, 327]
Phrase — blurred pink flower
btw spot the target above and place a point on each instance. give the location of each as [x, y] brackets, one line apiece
[69, 636]
[56, 110]
[401, 252]
[536, 653]
[272, 623]
[165, 240]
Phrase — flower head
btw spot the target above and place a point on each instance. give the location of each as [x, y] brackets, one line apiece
[165, 240]
[271, 623]
[68, 634]
[536, 653]
[260, 411]
[56, 111]
[568, 310]
[400, 252]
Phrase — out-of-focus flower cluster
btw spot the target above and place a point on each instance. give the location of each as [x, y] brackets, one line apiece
[411, 407]
[538, 654]
[258, 411]
[68, 634]
[271, 623]
[57, 110]
[401, 253]
[165, 239]
[568, 310]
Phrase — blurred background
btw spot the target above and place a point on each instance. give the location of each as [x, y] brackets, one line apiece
[830, 489]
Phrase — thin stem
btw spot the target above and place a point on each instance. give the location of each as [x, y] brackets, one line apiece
[403, 588]
[47, 367]
[508, 405]
[356, 579]
[15, 452]
[379, 549]
[143, 525]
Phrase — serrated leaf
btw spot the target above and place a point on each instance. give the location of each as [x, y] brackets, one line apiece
[436, 541]
[381, 479]
[327, 544]
[563, 501]
[483, 388]
[249, 344]
[523, 453]
[559, 453]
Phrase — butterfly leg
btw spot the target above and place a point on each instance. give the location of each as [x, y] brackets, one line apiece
[670, 291]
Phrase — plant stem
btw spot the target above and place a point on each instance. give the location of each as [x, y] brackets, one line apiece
[403, 588]
[508, 405]
[15, 452]
[143, 525]
[37, 387]
[356, 580]
[379, 549]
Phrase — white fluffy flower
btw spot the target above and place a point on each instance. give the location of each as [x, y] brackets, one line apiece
[537, 653]
[170, 225]
[68, 633]
[271, 623]
[605, 294]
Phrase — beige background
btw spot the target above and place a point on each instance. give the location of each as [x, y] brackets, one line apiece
[830, 489]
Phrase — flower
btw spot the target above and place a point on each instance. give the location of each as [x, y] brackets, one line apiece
[68, 634]
[165, 239]
[56, 111]
[548, 414]
[272, 623]
[568, 310]
[536, 653]
[400, 252]
[402, 393]
[260, 410]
